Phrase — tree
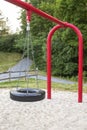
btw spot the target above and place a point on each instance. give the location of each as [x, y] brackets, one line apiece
[7, 40]
[4, 29]
[64, 45]
[75, 12]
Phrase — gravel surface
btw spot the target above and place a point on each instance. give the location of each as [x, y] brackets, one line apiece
[62, 112]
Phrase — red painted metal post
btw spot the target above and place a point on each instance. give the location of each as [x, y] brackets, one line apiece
[49, 59]
[80, 60]
[28, 16]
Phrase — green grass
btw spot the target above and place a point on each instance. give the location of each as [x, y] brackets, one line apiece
[32, 83]
[68, 87]
[41, 84]
[7, 60]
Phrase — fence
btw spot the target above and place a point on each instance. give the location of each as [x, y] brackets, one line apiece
[9, 75]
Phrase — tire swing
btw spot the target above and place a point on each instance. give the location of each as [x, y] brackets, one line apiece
[28, 94]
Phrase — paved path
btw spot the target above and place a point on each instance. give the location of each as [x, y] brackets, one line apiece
[57, 80]
[23, 65]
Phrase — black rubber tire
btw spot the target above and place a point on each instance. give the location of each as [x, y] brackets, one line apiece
[27, 95]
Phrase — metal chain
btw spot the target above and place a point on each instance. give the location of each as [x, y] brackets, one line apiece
[29, 44]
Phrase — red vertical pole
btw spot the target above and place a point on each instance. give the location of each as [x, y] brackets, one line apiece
[49, 67]
[28, 15]
[49, 64]
[80, 60]
[80, 68]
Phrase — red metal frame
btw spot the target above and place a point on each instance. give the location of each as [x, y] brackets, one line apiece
[29, 7]
[80, 61]
[28, 15]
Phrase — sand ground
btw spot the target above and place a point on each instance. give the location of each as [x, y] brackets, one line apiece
[62, 112]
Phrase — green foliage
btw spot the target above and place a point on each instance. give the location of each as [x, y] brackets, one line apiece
[39, 25]
[7, 43]
[38, 56]
[23, 21]
[40, 28]
[4, 29]
[20, 42]
[75, 12]
[65, 42]
[64, 59]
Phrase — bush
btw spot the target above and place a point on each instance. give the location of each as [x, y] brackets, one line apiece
[7, 43]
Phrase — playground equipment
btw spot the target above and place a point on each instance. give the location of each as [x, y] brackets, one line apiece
[28, 94]
[60, 24]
